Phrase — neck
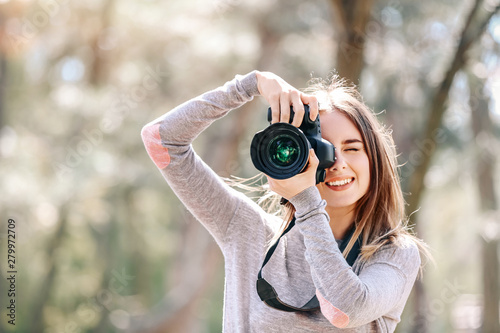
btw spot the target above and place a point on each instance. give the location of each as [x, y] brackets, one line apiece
[341, 220]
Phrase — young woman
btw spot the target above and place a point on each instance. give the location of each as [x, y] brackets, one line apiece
[361, 193]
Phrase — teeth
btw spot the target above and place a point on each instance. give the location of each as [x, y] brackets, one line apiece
[340, 182]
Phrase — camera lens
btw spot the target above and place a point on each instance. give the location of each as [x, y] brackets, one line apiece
[280, 151]
[283, 151]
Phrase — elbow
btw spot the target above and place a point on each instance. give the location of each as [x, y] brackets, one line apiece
[145, 133]
[149, 136]
[152, 141]
[335, 316]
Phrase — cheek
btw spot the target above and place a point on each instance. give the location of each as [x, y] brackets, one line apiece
[363, 171]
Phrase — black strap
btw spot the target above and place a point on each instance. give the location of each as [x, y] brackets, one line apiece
[269, 296]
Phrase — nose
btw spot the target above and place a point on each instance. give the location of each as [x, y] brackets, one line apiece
[340, 162]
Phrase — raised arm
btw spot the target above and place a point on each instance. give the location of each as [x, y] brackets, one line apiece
[168, 142]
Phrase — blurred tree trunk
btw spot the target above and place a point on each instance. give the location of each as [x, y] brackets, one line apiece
[431, 135]
[47, 284]
[350, 18]
[485, 142]
[3, 80]
[428, 139]
[98, 69]
[107, 239]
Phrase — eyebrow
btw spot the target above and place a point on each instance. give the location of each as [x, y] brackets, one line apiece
[348, 141]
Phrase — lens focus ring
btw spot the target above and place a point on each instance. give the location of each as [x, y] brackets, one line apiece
[281, 151]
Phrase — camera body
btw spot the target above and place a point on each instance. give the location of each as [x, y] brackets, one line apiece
[282, 150]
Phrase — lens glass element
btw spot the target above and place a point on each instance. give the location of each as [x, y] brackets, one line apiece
[283, 151]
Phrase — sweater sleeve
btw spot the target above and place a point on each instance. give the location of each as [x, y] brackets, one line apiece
[168, 142]
[346, 299]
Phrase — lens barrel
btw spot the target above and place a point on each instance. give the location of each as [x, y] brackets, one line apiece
[280, 151]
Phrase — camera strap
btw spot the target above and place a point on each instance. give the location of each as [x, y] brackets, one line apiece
[269, 296]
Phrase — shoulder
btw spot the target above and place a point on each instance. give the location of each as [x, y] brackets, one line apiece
[403, 254]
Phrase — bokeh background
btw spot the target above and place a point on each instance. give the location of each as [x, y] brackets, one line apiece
[103, 245]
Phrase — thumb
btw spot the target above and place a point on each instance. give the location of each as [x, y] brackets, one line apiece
[313, 160]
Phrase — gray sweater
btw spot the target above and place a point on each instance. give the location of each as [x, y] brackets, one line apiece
[369, 297]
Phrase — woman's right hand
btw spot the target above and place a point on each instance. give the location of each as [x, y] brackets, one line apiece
[281, 95]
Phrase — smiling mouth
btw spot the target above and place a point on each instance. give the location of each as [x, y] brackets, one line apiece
[340, 182]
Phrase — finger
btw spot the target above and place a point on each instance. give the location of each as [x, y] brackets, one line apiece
[275, 109]
[298, 108]
[273, 184]
[285, 107]
[313, 160]
[269, 182]
[312, 101]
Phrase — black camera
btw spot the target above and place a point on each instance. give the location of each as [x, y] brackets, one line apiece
[282, 150]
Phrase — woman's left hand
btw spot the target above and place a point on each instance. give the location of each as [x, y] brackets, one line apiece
[288, 188]
[281, 95]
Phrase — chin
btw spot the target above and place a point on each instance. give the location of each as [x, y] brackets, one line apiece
[339, 202]
[340, 205]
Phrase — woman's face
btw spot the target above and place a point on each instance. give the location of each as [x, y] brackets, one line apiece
[349, 178]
